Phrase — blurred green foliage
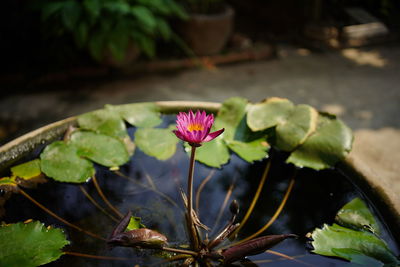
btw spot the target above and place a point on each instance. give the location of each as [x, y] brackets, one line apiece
[110, 26]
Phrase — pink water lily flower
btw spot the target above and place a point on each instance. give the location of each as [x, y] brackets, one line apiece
[195, 128]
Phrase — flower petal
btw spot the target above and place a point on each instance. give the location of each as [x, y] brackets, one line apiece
[213, 135]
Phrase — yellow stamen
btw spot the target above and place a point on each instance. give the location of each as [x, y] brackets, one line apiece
[195, 127]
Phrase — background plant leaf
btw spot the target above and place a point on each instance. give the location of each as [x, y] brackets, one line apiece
[102, 149]
[229, 116]
[294, 130]
[30, 244]
[269, 113]
[338, 237]
[356, 215]
[139, 114]
[326, 146]
[27, 170]
[214, 153]
[62, 163]
[157, 142]
[251, 151]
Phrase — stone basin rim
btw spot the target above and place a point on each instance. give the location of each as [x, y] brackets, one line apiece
[21, 146]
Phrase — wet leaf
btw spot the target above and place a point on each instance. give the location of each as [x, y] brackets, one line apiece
[135, 223]
[293, 131]
[329, 144]
[156, 142]
[102, 149]
[105, 121]
[230, 115]
[30, 244]
[269, 113]
[214, 153]
[8, 184]
[62, 163]
[338, 237]
[144, 238]
[356, 215]
[356, 257]
[140, 114]
[27, 170]
[252, 247]
[251, 151]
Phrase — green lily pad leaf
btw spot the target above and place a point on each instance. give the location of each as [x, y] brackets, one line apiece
[292, 132]
[356, 257]
[156, 142]
[251, 151]
[30, 244]
[61, 162]
[232, 111]
[269, 113]
[356, 215]
[338, 237]
[105, 121]
[329, 144]
[214, 153]
[135, 223]
[27, 170]
[102, 149]
[140, 114]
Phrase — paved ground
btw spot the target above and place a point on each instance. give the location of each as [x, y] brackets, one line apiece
[362, 86]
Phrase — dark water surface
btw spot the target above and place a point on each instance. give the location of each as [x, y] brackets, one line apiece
[152, 193]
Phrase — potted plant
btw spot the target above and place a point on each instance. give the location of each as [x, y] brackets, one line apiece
[114, 32]
[209, 26]
[260, 153]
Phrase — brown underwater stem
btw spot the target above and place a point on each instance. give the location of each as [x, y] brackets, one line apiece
[103, 197]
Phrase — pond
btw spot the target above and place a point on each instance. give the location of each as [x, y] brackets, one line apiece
[150, 189]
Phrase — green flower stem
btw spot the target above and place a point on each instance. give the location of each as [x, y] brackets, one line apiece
[194, 238]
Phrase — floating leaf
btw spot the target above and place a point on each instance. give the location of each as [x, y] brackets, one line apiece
[102, 149]
[143, 237]
[356, 257]
[356, 215]
[293, 131]
[62, 163]
[140, 114]
[156, 142]
[326, 146]
[338, 237]
[269, 113]
[105, 121]
[8, 184]
[27, 170]
[135, 223]
[30, 244]
[251, 151]
[214, 153]
[229, 116]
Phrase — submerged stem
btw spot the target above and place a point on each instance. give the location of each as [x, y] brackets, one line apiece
[108, 203]
[200, 189]
[83, 255]
[256, 196]
[189, 216]
[58, 217]
[180, 251]
[273, 252]
[276, 214]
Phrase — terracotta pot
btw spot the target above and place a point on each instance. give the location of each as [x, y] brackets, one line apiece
[208, 34]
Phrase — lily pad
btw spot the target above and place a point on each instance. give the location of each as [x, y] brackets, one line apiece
[356, 257]
[214, 153]
[269, 113]
[356, 215]
[102, 149]
[251, 151]
[140, 114]
[8, 184]
[62, 163]
[329, 144]
[30, 244]
[105, 121]
[232, 111]
[27, 170]
[295, 129]
[338, 237]
[156, 142]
